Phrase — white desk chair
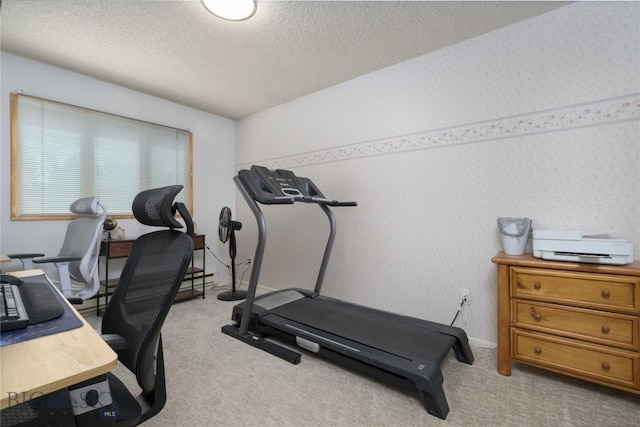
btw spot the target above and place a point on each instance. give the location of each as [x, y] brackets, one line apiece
[78, 257]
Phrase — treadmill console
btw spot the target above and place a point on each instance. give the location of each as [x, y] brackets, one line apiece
[279, 186]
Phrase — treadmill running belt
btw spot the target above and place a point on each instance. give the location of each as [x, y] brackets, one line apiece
[392, 333]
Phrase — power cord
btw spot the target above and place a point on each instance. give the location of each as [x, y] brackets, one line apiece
[246, 263]
[215, 256]
[458, 312]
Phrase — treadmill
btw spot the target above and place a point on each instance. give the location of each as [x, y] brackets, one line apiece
[401, 350]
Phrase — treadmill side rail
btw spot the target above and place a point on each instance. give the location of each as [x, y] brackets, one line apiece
[261, 343]
[426, 378]
[461, 348]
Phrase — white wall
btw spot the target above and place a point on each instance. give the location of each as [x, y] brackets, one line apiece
[539, 119]
[213, 153]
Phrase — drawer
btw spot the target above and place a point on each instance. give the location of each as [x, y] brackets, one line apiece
[118, 249]
[603, 291]
[564, 355]
[198, 241]
[620, 330]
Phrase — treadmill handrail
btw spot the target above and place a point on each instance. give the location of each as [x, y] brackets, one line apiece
[328, 248]
[329, 202]
[257, 259]
[252, 200]
[304, 199]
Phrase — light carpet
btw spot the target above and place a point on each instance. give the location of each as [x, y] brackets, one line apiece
[215, 380]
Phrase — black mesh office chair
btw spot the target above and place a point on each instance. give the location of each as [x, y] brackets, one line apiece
[140, 303]
[136, 312]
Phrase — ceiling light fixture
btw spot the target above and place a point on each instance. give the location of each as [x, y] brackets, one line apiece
[231, 10]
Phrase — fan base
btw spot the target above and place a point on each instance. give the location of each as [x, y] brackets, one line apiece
[232, 296]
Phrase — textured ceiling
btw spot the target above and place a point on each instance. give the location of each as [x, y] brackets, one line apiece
[176, 50]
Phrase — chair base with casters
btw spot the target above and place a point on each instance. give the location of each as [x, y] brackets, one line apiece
[131, 325]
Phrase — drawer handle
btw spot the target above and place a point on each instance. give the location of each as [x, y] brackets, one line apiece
[605, 329]
[537, 286]
[606, 293]
[536, 316]
[606, 366]
[537, 350]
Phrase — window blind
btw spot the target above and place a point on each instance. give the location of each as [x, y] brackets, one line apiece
[62, 153]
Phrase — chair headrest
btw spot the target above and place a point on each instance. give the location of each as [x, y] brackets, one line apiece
[85, 206]
[154, 207]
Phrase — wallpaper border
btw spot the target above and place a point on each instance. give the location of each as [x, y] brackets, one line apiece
[602, 112]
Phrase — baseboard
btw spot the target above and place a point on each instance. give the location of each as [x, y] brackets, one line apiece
[245, 285]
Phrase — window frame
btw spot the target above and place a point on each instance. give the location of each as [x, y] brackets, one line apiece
[15, 160]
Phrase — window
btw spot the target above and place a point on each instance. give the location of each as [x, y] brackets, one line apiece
[60, 153]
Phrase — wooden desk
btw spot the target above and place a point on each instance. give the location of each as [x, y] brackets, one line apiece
[43, 365]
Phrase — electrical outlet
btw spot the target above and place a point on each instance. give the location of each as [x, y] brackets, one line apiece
[466, 296]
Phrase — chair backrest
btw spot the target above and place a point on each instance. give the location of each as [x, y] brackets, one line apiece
[149, 281]
[82, 239]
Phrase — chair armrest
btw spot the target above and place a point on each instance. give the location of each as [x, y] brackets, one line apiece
[115, 341]
[57, 259]
[20, 256]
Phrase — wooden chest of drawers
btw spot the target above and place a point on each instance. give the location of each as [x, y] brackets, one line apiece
[581, 320]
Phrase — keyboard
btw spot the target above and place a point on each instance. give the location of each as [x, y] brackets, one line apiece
[13, 314]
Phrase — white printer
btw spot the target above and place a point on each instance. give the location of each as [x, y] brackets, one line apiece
[576, 246]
